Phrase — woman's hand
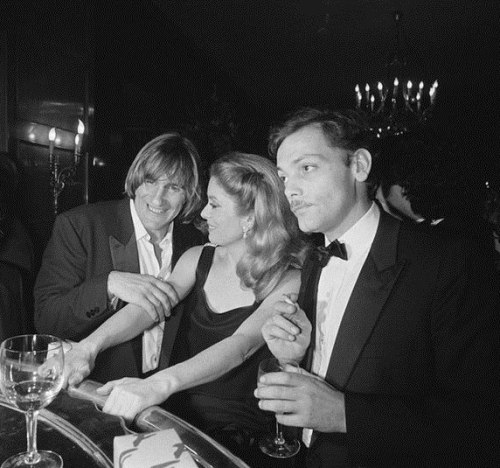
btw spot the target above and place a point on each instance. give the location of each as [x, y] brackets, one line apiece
[129, 396]
[78, 363]
[288, 331]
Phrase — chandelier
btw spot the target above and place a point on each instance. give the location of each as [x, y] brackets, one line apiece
[399, 104]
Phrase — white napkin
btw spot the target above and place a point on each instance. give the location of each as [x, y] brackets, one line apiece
[146, 450]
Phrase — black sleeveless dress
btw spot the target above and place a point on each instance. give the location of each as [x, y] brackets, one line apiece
[226, 403]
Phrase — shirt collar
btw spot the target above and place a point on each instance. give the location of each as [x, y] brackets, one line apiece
[140, 230]
[360, 236]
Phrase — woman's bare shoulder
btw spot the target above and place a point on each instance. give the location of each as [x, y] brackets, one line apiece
[192, 255]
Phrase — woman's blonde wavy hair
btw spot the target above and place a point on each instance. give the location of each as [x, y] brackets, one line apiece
[274, 243]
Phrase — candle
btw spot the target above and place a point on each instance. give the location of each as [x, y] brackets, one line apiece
[358, 96]
[78, 141]
[380, 89]
[395, 91]
[432, 92]
[81, 127]
[409, 86]
[419, 96]
[77, 148]
[367, 90]
[372, 101]
[52, 139]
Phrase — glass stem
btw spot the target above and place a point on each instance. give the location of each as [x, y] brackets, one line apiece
[31, 421]
[279, 439]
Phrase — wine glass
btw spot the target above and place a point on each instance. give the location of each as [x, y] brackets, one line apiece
[31, 375]
[275, 445]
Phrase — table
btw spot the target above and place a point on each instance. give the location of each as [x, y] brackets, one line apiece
[83, 435]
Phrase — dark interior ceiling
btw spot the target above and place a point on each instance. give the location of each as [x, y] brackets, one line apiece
[290, 52]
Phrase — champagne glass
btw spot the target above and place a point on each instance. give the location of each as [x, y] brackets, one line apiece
[275, 445]
[31, 375]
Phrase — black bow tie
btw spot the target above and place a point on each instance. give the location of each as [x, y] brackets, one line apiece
[335, 248]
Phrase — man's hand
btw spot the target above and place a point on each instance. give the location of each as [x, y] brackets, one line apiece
[155, 296]
[302, 400]
[78, 363]
[129, 396]
[288, 331]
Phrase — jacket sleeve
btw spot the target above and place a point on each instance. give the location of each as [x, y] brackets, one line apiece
[71, 287]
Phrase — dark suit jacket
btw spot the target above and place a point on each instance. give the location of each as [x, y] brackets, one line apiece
[416, 355]
[71, 301]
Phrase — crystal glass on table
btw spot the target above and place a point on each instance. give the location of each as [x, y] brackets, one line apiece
[275, 445]
[31, 376]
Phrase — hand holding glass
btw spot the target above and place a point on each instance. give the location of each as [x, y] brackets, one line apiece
[275, 445]
[31, 375]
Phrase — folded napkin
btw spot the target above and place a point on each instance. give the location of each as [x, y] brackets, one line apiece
[151, 450]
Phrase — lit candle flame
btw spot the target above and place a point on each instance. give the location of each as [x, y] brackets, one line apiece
[52, 138]
[396, 82]
[81, 127]
[409, 85]
[77, 148]
[379, 86]
[432, 93]
[356, 88]
[52, 134]
[421, 85]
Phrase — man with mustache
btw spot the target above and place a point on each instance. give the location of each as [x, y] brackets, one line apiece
[402, 325]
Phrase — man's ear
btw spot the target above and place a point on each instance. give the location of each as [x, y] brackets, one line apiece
[361, 164]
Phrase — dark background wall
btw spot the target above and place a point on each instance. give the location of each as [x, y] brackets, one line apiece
[222, 72]
[46, 81]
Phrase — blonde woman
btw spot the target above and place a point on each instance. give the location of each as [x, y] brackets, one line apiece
[229, 287]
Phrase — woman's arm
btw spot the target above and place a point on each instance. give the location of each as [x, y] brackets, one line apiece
[129, 321]
[229, 353]
[124, 325]
[129, 396]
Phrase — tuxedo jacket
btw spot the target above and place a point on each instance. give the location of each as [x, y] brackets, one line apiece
[416, 355]
[71, 300]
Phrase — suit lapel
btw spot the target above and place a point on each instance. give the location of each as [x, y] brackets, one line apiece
[370, 293]
[307, 300]
[124, 256]
[122, 245]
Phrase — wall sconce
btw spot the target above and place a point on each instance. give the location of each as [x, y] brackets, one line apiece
[65, 141]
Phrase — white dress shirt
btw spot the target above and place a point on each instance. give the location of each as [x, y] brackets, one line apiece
[335, 287]
[148, 264]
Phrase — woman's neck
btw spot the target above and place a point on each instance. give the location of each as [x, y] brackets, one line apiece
[232, 253]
